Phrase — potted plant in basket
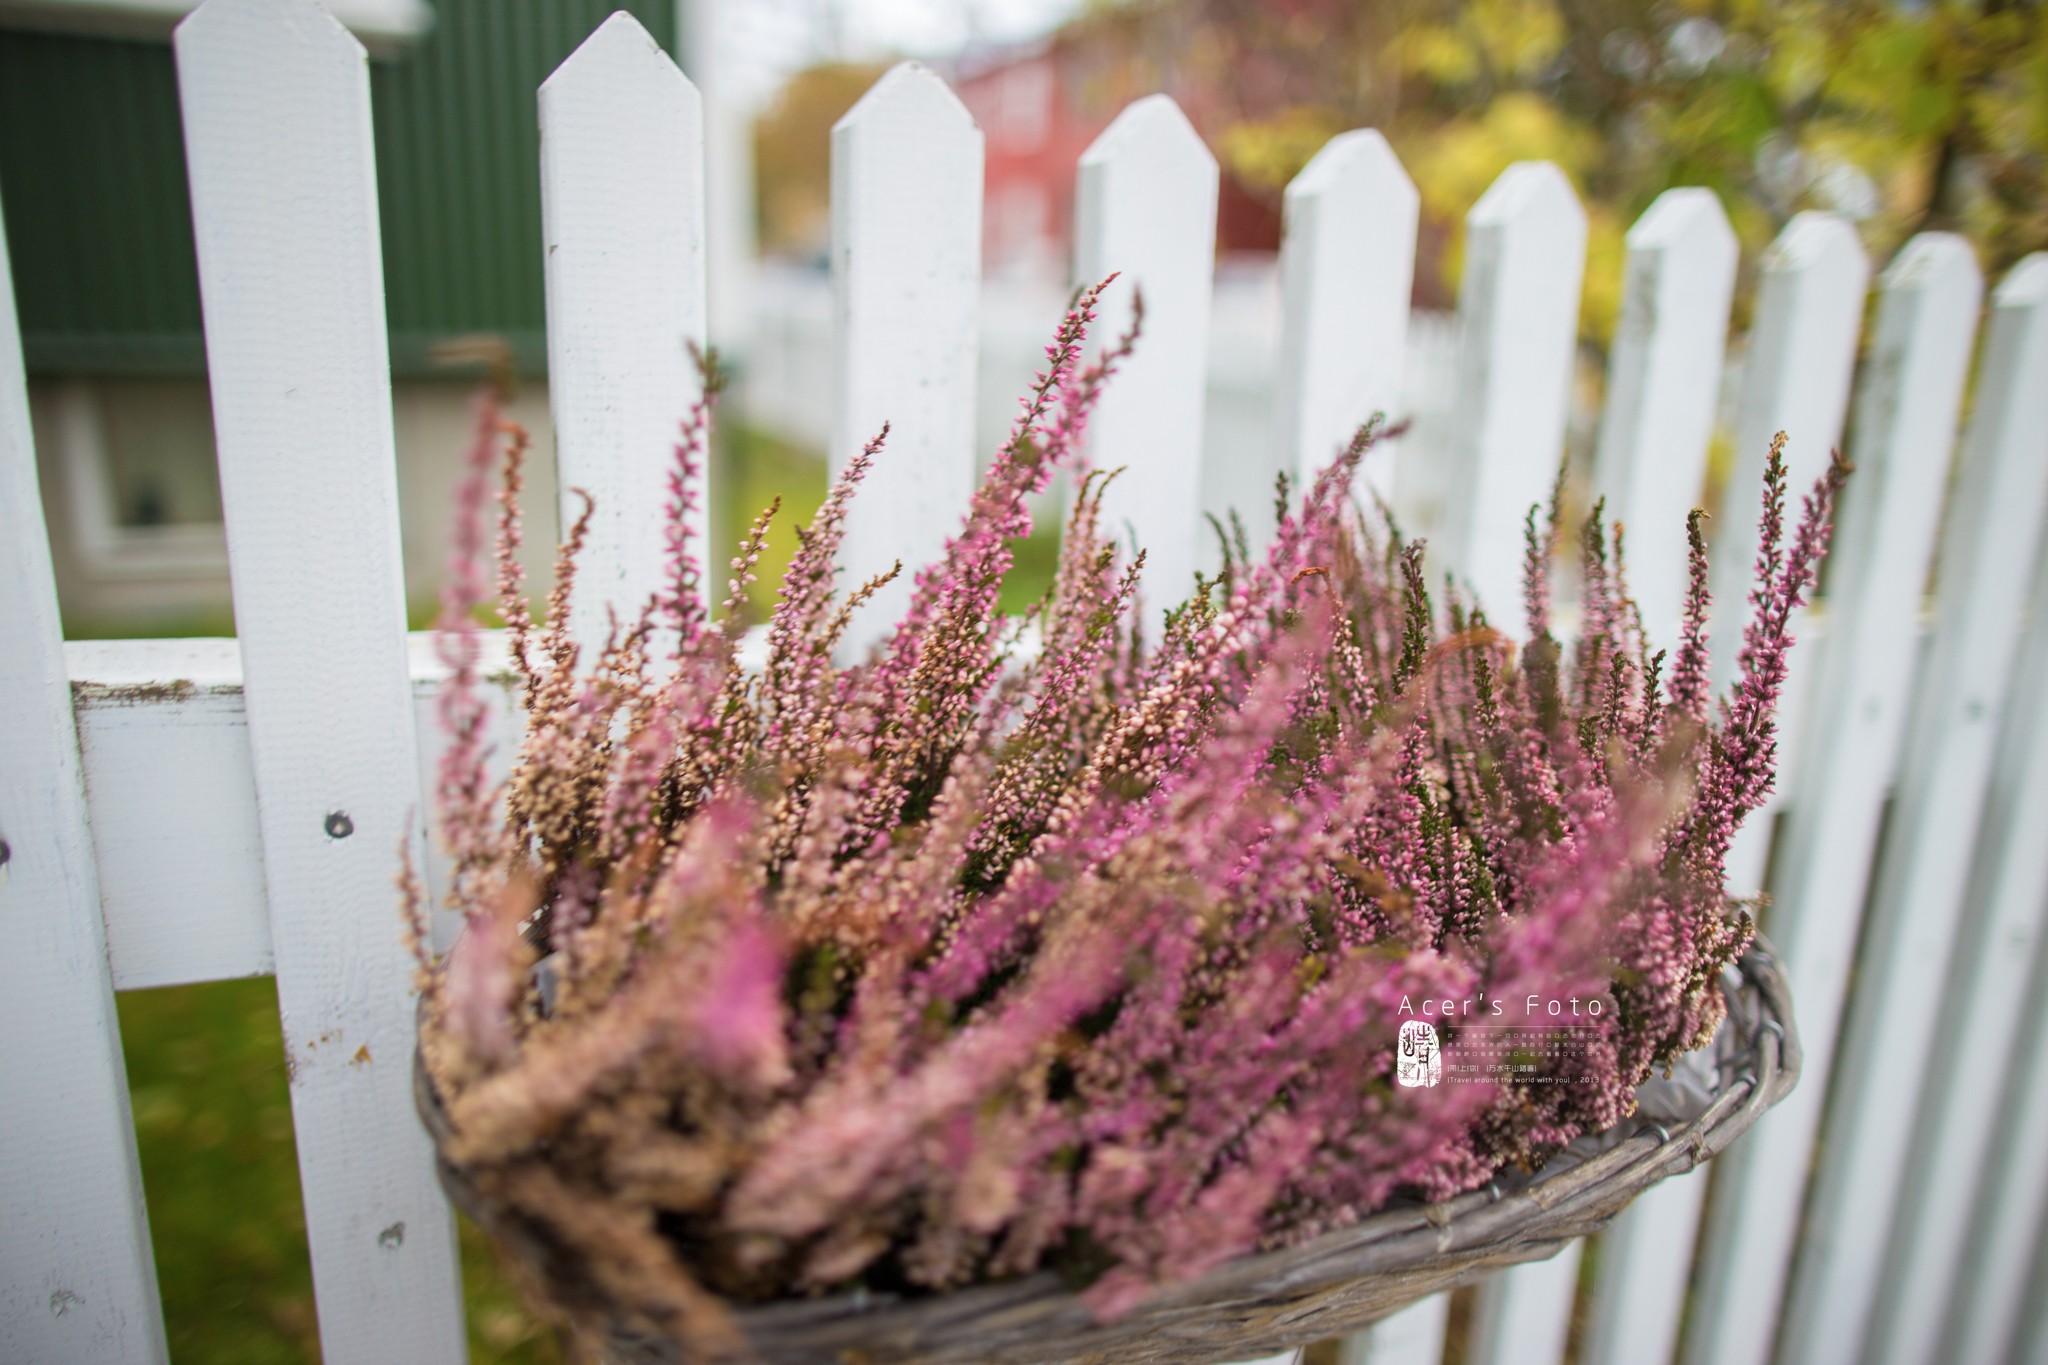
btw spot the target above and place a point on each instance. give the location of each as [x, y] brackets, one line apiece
[1028, 989]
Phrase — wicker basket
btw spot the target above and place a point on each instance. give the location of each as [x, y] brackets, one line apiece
[1257, 1305]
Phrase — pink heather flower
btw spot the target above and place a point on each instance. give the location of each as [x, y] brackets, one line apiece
[948, 963]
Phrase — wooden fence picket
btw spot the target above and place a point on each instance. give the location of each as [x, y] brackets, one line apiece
[77, 1278]
[1921, 908]
[622, 215]
[1413, 1336]
[1651, 459]
[1347, 268]
[1796, 379]
[1906, 422]
[1993, 1295]
[276, 103]
[1145, 206]
[1525, 255]
[1523, 1314]
[906, 305]
[1664, 381]
[1639, 1290]
[1664, 377]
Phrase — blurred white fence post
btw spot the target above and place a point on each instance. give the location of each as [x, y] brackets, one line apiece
[906, 300]
[1145, 207]
[1524, 1313]
[1906, 425]
[276, 103]
[1413, 1336]
[1347, 269]
[1665, 375]
[1796, 379]
[1639, 1288]
[622, 217]
[77, 1280]
[1525, 257]
[1525, 254]
[705, 30]
[1664, 378]
[1896, 1025]
[1996, 1279]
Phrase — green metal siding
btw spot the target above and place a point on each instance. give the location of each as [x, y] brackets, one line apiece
[92, 172]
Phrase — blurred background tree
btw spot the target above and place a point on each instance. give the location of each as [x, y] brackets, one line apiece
[793, 153]
[1903, 117]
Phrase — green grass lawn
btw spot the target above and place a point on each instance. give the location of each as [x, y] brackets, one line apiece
[214, 1125]
[754, 467]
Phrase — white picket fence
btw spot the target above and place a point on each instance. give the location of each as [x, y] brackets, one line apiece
[181, 811]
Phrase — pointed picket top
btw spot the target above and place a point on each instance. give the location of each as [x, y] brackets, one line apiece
[1145, 208]
[1153, 126]
[622, 215]
[906, 300]
[1525, 256]
[910, 95]
[292, 33]
[621, 61]
[1664, 383]
[1347, 269]
[1846, 760]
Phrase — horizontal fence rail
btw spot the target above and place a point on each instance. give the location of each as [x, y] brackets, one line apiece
[192, 810]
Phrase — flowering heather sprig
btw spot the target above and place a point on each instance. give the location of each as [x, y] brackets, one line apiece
[955, 962]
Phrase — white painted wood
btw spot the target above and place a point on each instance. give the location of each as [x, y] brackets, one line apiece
[1145, 206]
[1525, 255]
[1905, 430]
[1663, 381]
[1524, 1314]
[275, 98]
[1802, 354]
[622, 215]
[165, 742]
[1347, 271]
[1796, 377]
[2032, 1348]
[1990, 1289]
[1987, 548]
[77, 1279]
[1660, 409]
[1999, 1283]
[1639, 1291]
[906, 300]
[1413, 1336]
[1966, 729]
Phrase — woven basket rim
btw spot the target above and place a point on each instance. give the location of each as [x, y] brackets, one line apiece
[1268, 1301]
